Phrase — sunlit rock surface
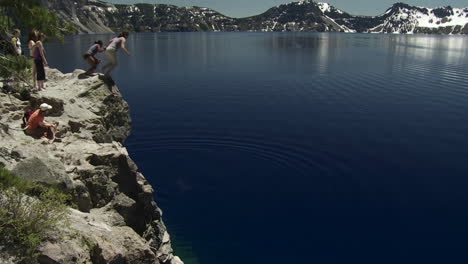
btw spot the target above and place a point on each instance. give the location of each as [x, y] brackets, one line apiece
[117, 220]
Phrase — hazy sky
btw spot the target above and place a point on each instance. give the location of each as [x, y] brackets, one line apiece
[242, 8]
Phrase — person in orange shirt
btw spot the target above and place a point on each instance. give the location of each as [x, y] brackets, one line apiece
[39, 128]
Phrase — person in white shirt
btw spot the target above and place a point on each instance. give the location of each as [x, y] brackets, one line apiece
[111, 50]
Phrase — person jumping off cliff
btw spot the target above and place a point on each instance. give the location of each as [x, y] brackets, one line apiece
[111, 50]
[90, 56]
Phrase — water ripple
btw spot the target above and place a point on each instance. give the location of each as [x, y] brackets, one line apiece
[301, 159]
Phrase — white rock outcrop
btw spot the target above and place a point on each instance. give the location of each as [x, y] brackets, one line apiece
[117, 220]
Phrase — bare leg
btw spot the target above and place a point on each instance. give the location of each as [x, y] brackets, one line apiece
[40, 85]
[34, 72]
[51, 133]
[92, 64]
[112, 61]
[112, 67]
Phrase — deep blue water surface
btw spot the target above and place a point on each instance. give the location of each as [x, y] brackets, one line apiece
[300, 147]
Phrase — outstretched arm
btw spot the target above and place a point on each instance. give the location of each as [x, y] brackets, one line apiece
[47, 124]
[123, 47]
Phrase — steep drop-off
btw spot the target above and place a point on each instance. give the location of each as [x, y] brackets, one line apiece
[116, 219]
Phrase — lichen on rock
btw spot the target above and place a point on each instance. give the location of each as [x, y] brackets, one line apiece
[116, 219]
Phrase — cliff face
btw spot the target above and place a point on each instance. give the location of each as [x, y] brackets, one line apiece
[306, 15]
[87, 16]
[117, 220]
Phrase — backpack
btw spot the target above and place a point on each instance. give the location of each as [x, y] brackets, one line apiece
[26, 116]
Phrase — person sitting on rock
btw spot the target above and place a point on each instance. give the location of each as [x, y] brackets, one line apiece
[37, 127]
[90, 56]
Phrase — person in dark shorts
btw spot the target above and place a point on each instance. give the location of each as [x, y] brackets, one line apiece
[90, 56]
[40, 61]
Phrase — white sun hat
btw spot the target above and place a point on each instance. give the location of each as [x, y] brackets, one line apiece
[45, 107]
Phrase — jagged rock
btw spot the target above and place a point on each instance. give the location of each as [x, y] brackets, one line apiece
[100, 186]
[117, 220]
[44, 170]
[94, 238]
[74, 126]
[81, 197]
[57, 104]
[126, 207]
[57, 253]
[62, 132]
[16, 154]
[176, 260]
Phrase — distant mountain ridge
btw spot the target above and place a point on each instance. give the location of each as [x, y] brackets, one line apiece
[95, 16]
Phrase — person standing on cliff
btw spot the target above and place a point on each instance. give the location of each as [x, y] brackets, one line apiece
[16, 42]
[111, 51]
[90, 56]
[40, 61]
[33, 36]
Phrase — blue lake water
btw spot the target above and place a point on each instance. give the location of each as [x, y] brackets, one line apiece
[300, 147]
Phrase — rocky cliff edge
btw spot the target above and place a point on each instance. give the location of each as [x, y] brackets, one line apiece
[116, 219]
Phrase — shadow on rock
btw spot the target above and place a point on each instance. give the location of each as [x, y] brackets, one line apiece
[83, 76]
[107, 80]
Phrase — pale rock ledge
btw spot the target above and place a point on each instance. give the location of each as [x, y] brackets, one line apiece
[117, 220]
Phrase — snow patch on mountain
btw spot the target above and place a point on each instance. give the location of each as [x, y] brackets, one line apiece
[402, 18]
[325, 7]
[459, 17]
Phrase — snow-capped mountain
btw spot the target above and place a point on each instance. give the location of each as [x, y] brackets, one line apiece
[97, 16]
[403, 18]
[150, 17]
[305, 15]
